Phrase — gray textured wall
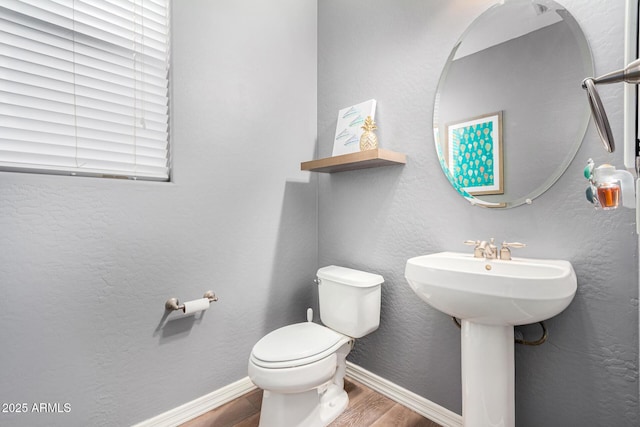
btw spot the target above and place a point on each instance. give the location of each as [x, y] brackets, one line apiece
[394, 51]
[87, 264]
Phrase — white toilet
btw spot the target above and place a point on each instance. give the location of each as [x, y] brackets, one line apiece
[301, 367]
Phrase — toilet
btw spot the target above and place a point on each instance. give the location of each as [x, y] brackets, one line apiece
[301, 367]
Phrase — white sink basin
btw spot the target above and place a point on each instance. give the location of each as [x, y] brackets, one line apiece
[492, 292]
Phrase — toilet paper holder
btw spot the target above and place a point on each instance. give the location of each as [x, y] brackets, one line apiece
[173, 304]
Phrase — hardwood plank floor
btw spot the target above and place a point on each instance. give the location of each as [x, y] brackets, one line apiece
[366, 409]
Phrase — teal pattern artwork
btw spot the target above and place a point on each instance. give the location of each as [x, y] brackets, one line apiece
[474, 154]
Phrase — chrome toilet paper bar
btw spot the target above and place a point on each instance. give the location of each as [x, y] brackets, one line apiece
[173, 304]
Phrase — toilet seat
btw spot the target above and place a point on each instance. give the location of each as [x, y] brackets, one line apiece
[296, 345]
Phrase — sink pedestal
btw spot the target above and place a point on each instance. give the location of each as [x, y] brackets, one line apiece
[488, 375]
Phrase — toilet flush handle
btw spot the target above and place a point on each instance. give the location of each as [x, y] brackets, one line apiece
[309, 314]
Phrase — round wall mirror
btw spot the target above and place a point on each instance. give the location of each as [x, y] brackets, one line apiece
[510, 112]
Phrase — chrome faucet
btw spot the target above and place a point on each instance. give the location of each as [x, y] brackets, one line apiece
[488, 250]
[483, 249]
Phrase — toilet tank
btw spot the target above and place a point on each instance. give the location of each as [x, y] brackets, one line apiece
[349, 300]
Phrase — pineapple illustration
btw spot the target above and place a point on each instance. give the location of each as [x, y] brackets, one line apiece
[368, 140]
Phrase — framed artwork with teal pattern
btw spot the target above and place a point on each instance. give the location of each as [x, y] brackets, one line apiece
[474, 154]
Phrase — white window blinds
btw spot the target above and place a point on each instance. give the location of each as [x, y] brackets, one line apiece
[84, 87]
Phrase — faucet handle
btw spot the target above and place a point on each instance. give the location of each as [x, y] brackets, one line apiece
[505, 252]
[513, 245]
[478, 252]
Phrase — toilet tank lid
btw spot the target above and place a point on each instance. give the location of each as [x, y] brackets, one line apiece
[349, 276]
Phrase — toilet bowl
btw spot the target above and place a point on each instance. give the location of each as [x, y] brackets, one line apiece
[301, 367]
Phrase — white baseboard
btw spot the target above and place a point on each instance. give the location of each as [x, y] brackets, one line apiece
[217, 398]
[419, 404]
[201, 405]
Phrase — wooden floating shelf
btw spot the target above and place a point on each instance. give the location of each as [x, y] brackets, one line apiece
[352, 161]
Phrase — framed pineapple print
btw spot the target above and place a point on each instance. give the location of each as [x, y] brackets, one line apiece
[473, 150]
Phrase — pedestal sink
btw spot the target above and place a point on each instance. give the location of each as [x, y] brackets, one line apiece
[490, 296]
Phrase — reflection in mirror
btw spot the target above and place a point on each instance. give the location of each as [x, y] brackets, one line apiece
[509, 113]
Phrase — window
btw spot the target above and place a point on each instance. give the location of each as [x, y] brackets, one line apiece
[84, 87]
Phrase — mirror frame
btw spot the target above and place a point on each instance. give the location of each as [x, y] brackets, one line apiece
[580, 131]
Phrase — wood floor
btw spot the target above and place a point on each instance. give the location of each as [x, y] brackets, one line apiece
[366, 409]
